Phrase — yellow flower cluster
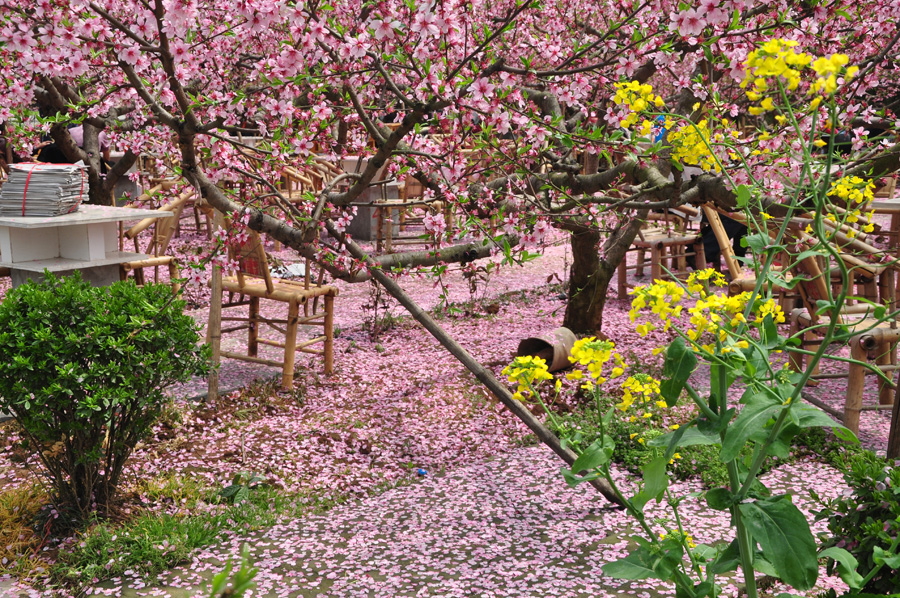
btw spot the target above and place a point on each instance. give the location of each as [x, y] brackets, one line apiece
[699, 281]
[528, 372]
[683, 538]
[777, 59]
[642, 388]
[691, 144]
[853, 189]
[717, 314]
[662, 297]
[828, 69]
[857, 195]
[638, 97]
[594, 354]
[769, 308]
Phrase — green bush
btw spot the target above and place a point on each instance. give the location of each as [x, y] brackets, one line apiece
[83, 369]
[866, 521]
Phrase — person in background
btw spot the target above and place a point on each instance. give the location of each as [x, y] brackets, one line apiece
[77, 133]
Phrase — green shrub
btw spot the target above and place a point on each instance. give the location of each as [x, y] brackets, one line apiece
[83, 369]
[866, 521]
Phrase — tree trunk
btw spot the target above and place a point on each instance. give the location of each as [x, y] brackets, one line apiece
[588, 284]
[590, 273]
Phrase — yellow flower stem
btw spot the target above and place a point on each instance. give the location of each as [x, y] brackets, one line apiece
[638, 515]
[537, 395]
[695, 565]
[761, 275]
[744, 541]
[704, 407]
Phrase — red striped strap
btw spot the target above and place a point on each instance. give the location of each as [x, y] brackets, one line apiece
[80, 192]
[25, 192]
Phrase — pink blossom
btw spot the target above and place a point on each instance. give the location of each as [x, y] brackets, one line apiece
[130, 54]
[688, 22]
[385, 29]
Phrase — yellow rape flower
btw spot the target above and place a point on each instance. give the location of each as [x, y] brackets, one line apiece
[528, 372]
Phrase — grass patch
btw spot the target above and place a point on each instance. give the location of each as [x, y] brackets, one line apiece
[151, 543]
[19, 544]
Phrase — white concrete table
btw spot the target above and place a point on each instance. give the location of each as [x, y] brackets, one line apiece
[85, 240]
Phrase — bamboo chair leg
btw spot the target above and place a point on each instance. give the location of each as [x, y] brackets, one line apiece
[870, 290]
[622, 272]
[887, 290]
[448, 219]
[856, 380]
[173, 277]
[388, 230]
[885, 357]
[794, 358]
[700, 257]
[329, 334]
[290, 346]
[655, 266]
[809, 338]
[639, 271]
[893, 446]
[253, 332]
[379, 229]
[682, 259]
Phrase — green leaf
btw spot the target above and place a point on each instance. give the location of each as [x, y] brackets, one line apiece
[742, 196]
[704, 552]
[845, 435]
[685, 436]
[632, 567]
[752, 418]
[728, 559]
[645, 562]
[846, 565]
[756, 243]
[599, 453]
[784, 536]
[680, 363]
[719, 499]
[769, 335]
[809, 416]
[655, 483]
[880, 556]
[764, 566]
[573, 480]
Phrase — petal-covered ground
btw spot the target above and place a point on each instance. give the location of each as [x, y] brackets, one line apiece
[507, 526]
[489, 519]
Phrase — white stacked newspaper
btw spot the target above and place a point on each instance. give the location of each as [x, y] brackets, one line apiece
[40, 190]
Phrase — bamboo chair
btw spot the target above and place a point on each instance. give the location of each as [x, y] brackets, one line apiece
[411, 209]
[253, 282]
[890, 186]
[871, 341]
[669, 247]
[163, 229]
[875, 342]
